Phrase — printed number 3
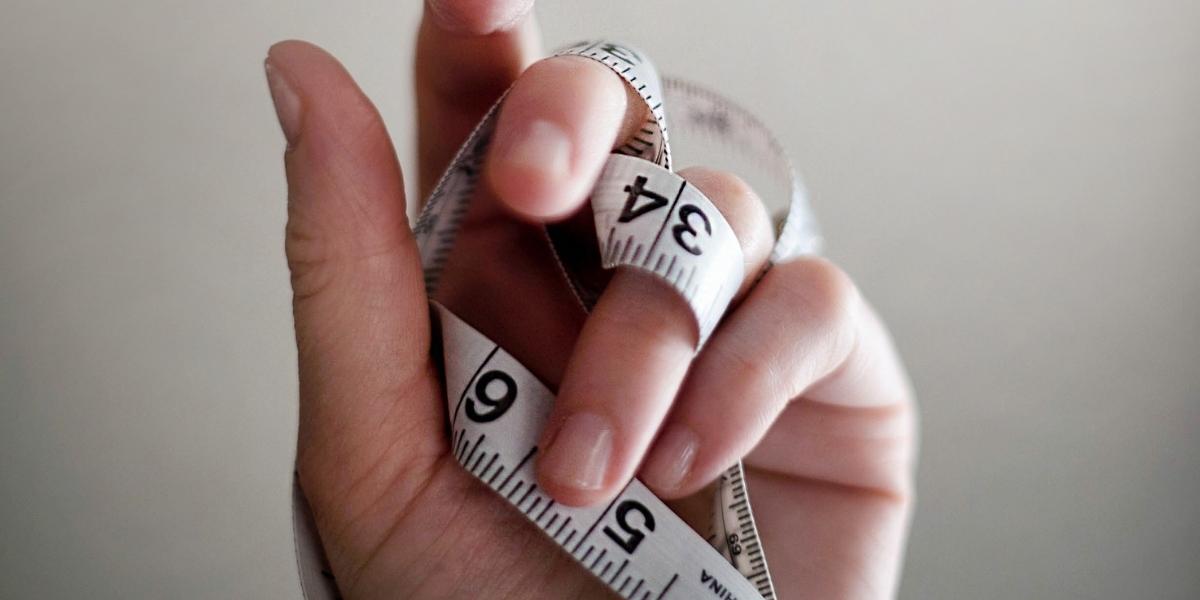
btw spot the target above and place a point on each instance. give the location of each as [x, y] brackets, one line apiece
[685, 228]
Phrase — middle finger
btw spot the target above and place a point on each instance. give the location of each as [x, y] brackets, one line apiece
[630, 360]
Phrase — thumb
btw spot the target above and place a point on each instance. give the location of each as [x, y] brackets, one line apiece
[370, 418]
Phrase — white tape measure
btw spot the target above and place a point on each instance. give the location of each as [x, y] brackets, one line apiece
[648, 218]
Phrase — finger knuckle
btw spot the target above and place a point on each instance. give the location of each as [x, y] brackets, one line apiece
[739, 204]
[317, 262]
[825, 293]
[332, 236]
[744, 365]
[307, 254]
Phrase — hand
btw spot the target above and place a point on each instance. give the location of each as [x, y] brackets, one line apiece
[800, 379]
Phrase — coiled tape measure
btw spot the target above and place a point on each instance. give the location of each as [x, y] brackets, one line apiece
[648, 218]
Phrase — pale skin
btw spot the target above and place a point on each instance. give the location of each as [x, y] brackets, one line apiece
[801, 379]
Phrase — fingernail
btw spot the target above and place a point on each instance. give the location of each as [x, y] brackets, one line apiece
[578, 457]
[287, 103]
[447, 18]
[671, 461]
[478, 18]
[541, 146]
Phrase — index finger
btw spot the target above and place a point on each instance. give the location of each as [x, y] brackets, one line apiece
[468, 53]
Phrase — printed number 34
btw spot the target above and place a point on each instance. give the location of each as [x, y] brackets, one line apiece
[689, 215]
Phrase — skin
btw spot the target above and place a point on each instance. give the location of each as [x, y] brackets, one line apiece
[801, 379]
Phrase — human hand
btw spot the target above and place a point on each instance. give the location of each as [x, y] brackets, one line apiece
[823, 413]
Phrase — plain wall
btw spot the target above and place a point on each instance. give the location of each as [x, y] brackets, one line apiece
[1015, 185]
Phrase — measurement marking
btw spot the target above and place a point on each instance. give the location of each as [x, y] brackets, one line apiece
[599, 557]
[637, 587]
[517, 468]
[593, 527]
[513, 492]
[616, 255]
[550, 523]
[527, 493]
[604, 571]
[625, 250]
[620, 570]
[462, 447]
[562, 527]
[587, 554]
[569, 537]
[624, 584]
[669, 584]
[495, 475]
[475, 448]
[658, 263]
[670, 211]
[541, 514]
[675, 279]
[478, 460]
[533, 506]
[645, 143]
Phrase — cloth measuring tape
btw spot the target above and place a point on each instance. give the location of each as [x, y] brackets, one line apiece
[648, 218]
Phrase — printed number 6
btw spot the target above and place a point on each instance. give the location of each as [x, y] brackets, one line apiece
[633, 536]
[685, 227]
[497, 406]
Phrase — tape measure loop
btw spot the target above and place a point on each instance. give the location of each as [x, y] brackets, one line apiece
[646, 217]
[651, 219]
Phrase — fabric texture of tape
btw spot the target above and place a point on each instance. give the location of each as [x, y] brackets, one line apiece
[646, 217]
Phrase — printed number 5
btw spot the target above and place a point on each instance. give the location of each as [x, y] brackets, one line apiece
[685, 227]
[633, 536]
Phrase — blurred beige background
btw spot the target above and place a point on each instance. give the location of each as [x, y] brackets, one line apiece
[1015, 184]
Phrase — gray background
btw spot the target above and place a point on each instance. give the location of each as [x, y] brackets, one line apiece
[1015, 184]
